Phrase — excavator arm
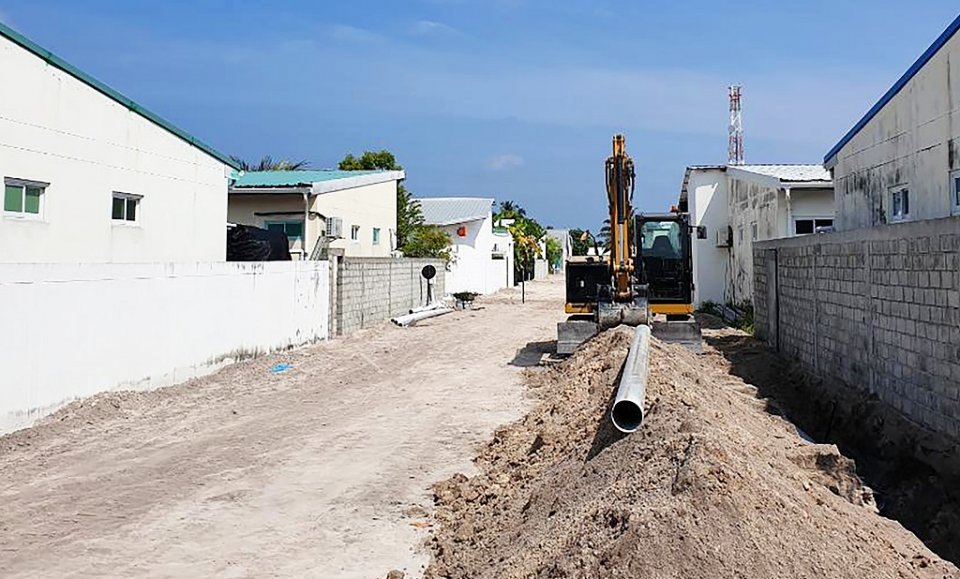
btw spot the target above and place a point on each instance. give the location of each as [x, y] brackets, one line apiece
[621, 180]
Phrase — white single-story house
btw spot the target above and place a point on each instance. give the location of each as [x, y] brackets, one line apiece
[901, 161]
[740, 204]
[351, 210]
[482, 254]
[91, 176]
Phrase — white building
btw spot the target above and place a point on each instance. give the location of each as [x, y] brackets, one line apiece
[91, 176]
[901, 162]
[742, 204]
[352, 210]
[482, 254]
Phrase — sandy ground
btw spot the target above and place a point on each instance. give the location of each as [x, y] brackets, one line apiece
[715, 484]
[321, 471]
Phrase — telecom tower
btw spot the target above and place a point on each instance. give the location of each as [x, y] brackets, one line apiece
[735, 154]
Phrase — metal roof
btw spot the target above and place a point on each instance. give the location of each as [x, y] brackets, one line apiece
[453, 210]
[293, 178]
[895, 89]
[789, 173]
[56, 61]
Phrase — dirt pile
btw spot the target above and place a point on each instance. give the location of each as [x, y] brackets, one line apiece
[712, 486]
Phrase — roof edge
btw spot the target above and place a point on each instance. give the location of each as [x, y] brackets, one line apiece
[447, 223]
[895, 89]
[490, 199]
[54, 60]
[355, 181]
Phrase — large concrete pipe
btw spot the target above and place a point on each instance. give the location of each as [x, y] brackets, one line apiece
[627, 413]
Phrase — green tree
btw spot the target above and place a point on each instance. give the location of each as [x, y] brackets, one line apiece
[409, 217]
[382, 160]
[428, 241]
[526, 232]
[409, 214]
[511, 210]
[603, 238]
[554, 252]
[268, 164]
[580, 242]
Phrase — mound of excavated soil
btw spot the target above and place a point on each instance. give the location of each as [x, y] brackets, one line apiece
[713, 486]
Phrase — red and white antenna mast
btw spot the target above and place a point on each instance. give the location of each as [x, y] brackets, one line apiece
[735, 154]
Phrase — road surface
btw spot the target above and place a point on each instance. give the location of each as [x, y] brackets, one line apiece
[320, 471]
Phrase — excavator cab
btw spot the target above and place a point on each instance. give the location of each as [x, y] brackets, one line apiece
[665, 254]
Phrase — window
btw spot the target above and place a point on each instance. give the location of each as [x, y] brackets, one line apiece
[23, 198]
[955, 192]
[899, 204]
[126, 207]
[804, 226]
[355, 233]
[376, 236]
[740, 234]
[292, 229]
[753, 231]
[807, 226]
[660, 239]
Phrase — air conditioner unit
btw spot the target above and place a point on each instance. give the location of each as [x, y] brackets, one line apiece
[334, 227]
[725, 236]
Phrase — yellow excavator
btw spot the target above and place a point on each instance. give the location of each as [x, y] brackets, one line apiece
[646, 278]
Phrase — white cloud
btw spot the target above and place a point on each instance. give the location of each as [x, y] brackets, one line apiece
[505, 162]
[353, 34]
[431, 28]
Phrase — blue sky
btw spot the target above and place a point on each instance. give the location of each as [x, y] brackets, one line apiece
[515, 99]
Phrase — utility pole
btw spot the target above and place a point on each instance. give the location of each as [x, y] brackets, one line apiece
[735, 154]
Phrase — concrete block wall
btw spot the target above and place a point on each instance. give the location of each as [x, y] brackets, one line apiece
[877, 308]
[370, 290]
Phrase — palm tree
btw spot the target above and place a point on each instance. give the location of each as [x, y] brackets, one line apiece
[604, 236]
[510, 210]
[268, 164]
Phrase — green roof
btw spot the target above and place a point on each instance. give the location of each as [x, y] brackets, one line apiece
[293, 178]
[54, 60]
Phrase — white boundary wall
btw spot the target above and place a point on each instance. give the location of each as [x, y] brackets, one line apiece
[73, 330]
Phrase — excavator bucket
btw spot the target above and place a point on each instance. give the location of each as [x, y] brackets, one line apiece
[683, 332]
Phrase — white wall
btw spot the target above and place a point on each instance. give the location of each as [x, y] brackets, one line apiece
[473, 267]
[75, 330]
[707, 199]
[913, 142]
[808, 204]
[57, 129]
[368, 206]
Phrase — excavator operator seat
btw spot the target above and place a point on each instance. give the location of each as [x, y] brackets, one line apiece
[663, 248]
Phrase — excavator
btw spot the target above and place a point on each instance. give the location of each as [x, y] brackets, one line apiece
[646, 279]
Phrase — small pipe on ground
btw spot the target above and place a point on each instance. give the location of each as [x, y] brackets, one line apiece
[427, 308]
[404, 321]
[627, 412]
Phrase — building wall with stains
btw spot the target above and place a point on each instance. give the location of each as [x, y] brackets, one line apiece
[912, 144]
[757, 212]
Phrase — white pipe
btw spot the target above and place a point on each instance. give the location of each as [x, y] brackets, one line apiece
[427, 308]
[627, 412]
[404, 321]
